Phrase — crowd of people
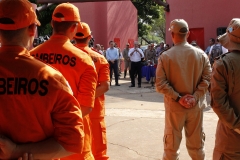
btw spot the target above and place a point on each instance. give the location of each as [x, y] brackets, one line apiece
[52, 96]
[116, 57]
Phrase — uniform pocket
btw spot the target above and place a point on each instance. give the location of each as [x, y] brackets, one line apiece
[168, 139]
[104, 135]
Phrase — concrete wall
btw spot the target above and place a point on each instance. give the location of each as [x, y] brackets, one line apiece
[207, 14]
[109, 20]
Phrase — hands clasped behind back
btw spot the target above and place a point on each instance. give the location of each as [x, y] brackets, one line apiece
[26, 156]
[187, 101]
[7, 147]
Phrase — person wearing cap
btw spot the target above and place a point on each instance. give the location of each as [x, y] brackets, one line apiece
[76, 66]
[183, 76]
[136, 54]
[127, 62]
[99, 143]
[225, 93]
[112, 56]
[38, 111]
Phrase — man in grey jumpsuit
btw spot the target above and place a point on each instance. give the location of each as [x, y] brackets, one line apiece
[183, 76]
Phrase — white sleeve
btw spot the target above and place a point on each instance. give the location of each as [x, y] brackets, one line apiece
[224, 50]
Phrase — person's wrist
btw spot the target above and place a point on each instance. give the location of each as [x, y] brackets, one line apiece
[195, 98]
[178, 98]
[16, 153]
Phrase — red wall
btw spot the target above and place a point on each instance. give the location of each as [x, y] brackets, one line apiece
[109, 20]
[207, 14]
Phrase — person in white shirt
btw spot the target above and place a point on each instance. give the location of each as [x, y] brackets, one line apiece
[136, 54]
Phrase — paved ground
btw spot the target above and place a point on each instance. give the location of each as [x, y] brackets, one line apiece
[135, 124]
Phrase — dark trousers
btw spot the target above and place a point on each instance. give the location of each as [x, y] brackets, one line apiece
[114, 67]
[136, 69]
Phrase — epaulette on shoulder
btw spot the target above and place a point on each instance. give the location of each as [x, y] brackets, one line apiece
[221, 56]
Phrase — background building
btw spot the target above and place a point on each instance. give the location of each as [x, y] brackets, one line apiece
[115, 20]
[205, 17]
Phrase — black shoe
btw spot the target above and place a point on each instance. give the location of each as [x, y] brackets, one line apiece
[132, 86]
[117, 84]
[139, 86]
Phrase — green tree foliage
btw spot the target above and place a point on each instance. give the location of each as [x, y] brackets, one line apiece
[148, 10]
[44, 17]
[151, 19]
[158, 27]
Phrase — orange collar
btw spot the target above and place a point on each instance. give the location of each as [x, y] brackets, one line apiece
[81, 45]
[60, 38]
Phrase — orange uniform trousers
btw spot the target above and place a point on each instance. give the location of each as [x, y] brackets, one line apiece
[87, 153]
[99, 141]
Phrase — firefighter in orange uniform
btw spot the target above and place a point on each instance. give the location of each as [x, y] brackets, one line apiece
[37, 108]
[76, 66]
[99, 146]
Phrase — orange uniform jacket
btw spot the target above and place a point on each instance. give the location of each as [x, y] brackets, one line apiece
[36, 102]
[102, 68]
[77, 67]
[99, 147]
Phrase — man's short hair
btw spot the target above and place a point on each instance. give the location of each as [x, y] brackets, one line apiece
[62, 27]
[213, 40]
[181, 36]
[11, 34]
[110, 41]
[83, 41]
